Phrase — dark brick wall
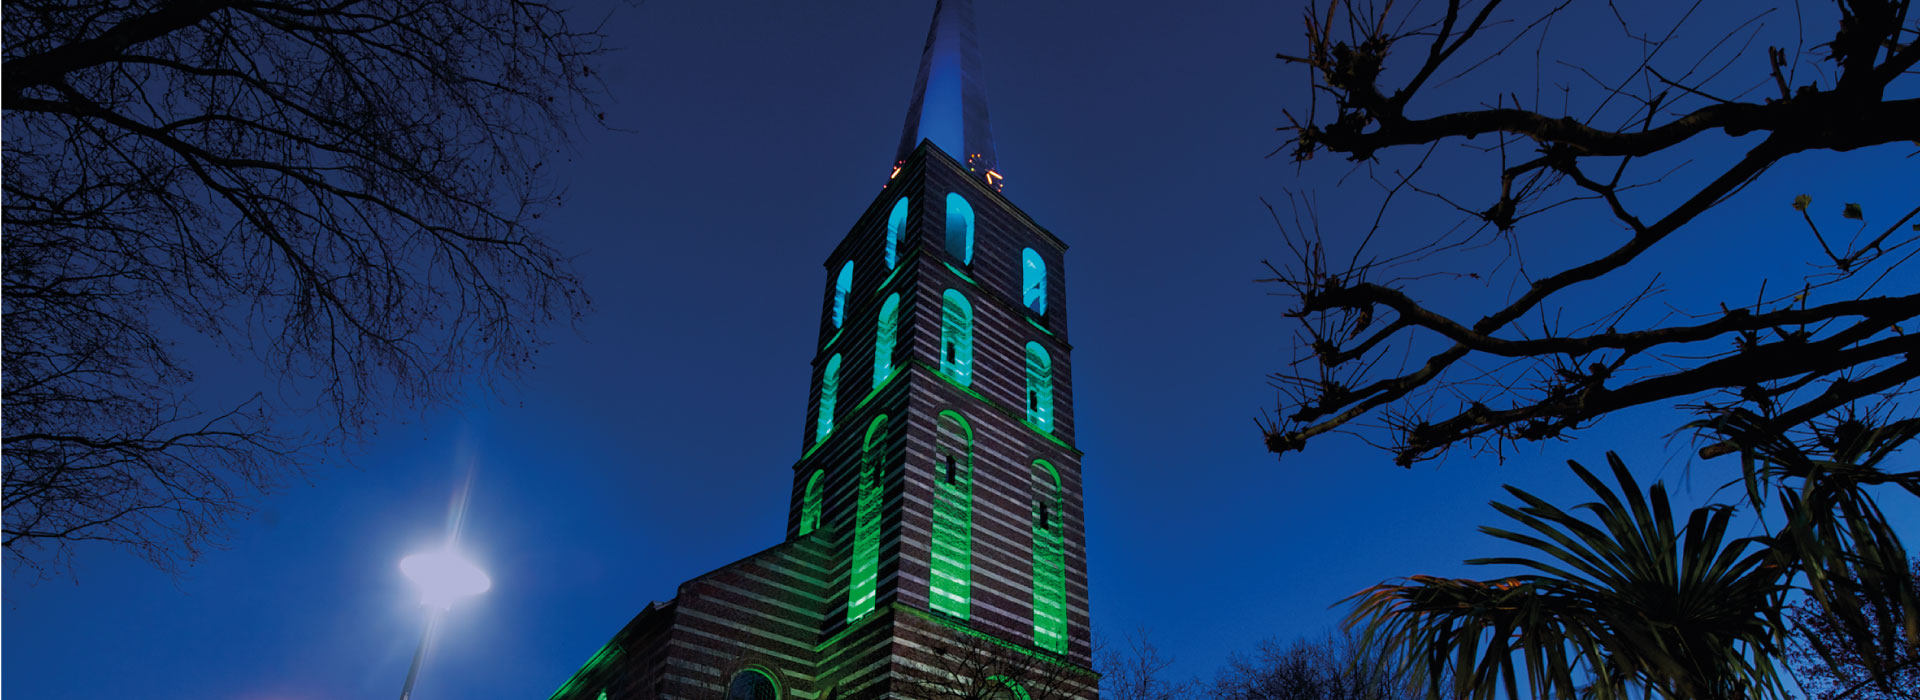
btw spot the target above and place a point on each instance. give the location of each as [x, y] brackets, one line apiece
[784, 610]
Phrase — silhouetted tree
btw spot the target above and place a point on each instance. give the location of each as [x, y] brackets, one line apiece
[1828, 664]
[1571, 344]
[344, 192]
[976, 667]
[1137, 671]
[1630, 601]
[1810, 384]
[1334, 667]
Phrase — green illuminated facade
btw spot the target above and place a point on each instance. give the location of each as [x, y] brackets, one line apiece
[1049, 560]
[937, 499]
[863, 571]
[952, 556]
[829, 394]
[956, 337]
[810, 503]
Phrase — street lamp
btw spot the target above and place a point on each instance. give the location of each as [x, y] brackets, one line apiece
[442, 577]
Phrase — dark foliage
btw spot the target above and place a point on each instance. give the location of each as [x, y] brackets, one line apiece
[1830, 666]
[1137, 671]
[1335, 667]
[1631, 600]
[339, 195]
[974, 666]
[1810, 384]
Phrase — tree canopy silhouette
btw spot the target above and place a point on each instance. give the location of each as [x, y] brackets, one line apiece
[1828, 664]
[1329, 667]
[345, 192]
[1571, 344]
[973, 666]
[1810, 383]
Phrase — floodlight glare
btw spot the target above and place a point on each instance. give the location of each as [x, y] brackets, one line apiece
[444, 577]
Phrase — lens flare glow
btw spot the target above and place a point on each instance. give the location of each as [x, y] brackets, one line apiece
[444, 577]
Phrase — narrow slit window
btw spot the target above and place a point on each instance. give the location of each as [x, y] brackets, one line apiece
[959, 228]
[810, 503]
[842, 287]
[956, 337]
[1049, 560]
[952, 552]
[1033, 281]
[896, 228]
[864, 573]
[884, 335]
[829, 387]
[1039, 387]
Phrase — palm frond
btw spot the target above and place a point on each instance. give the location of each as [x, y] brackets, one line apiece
[1623, 598]
[1835, 533]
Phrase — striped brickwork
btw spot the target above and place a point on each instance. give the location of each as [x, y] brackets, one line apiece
[847, 610]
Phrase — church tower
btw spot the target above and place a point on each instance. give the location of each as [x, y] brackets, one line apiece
[935, 545]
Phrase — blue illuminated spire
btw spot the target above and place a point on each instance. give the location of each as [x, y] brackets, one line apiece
[949, 104]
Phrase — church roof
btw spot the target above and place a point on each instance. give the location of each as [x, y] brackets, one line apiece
[949, 104]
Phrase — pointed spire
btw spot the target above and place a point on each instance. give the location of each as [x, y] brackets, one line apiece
[949, 100]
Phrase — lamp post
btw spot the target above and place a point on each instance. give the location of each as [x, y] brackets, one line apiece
[442, 577]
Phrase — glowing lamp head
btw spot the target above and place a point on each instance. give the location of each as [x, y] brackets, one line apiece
[444, 577]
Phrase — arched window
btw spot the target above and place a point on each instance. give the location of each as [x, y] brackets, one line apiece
[752, 684]
[959, 228]
[1049, 560]
[1006, 688]
[883, 339]
[1033, 281]
[864, 574]
[1039, 387]
[810, 503]
[842, 286]
[896, 227]
[956, 337]
[829, 387]
[952, 553]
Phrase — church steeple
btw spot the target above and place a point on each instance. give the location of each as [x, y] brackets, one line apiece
[937, 508]
[949, 104]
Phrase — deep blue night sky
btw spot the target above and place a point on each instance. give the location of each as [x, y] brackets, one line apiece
[655, 443]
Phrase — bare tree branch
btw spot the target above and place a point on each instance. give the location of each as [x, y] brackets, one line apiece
[347, 193]
[1556, 379]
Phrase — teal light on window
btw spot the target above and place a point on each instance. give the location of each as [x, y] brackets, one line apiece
[842, 286]
[884, 334]
[896, 228]
[956, 337]
[1039, 388]
[959, 228]
[810, 503]
[829, 387]
[952, 552]
[1033, 281]
[864, 571]
[1049, 560]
